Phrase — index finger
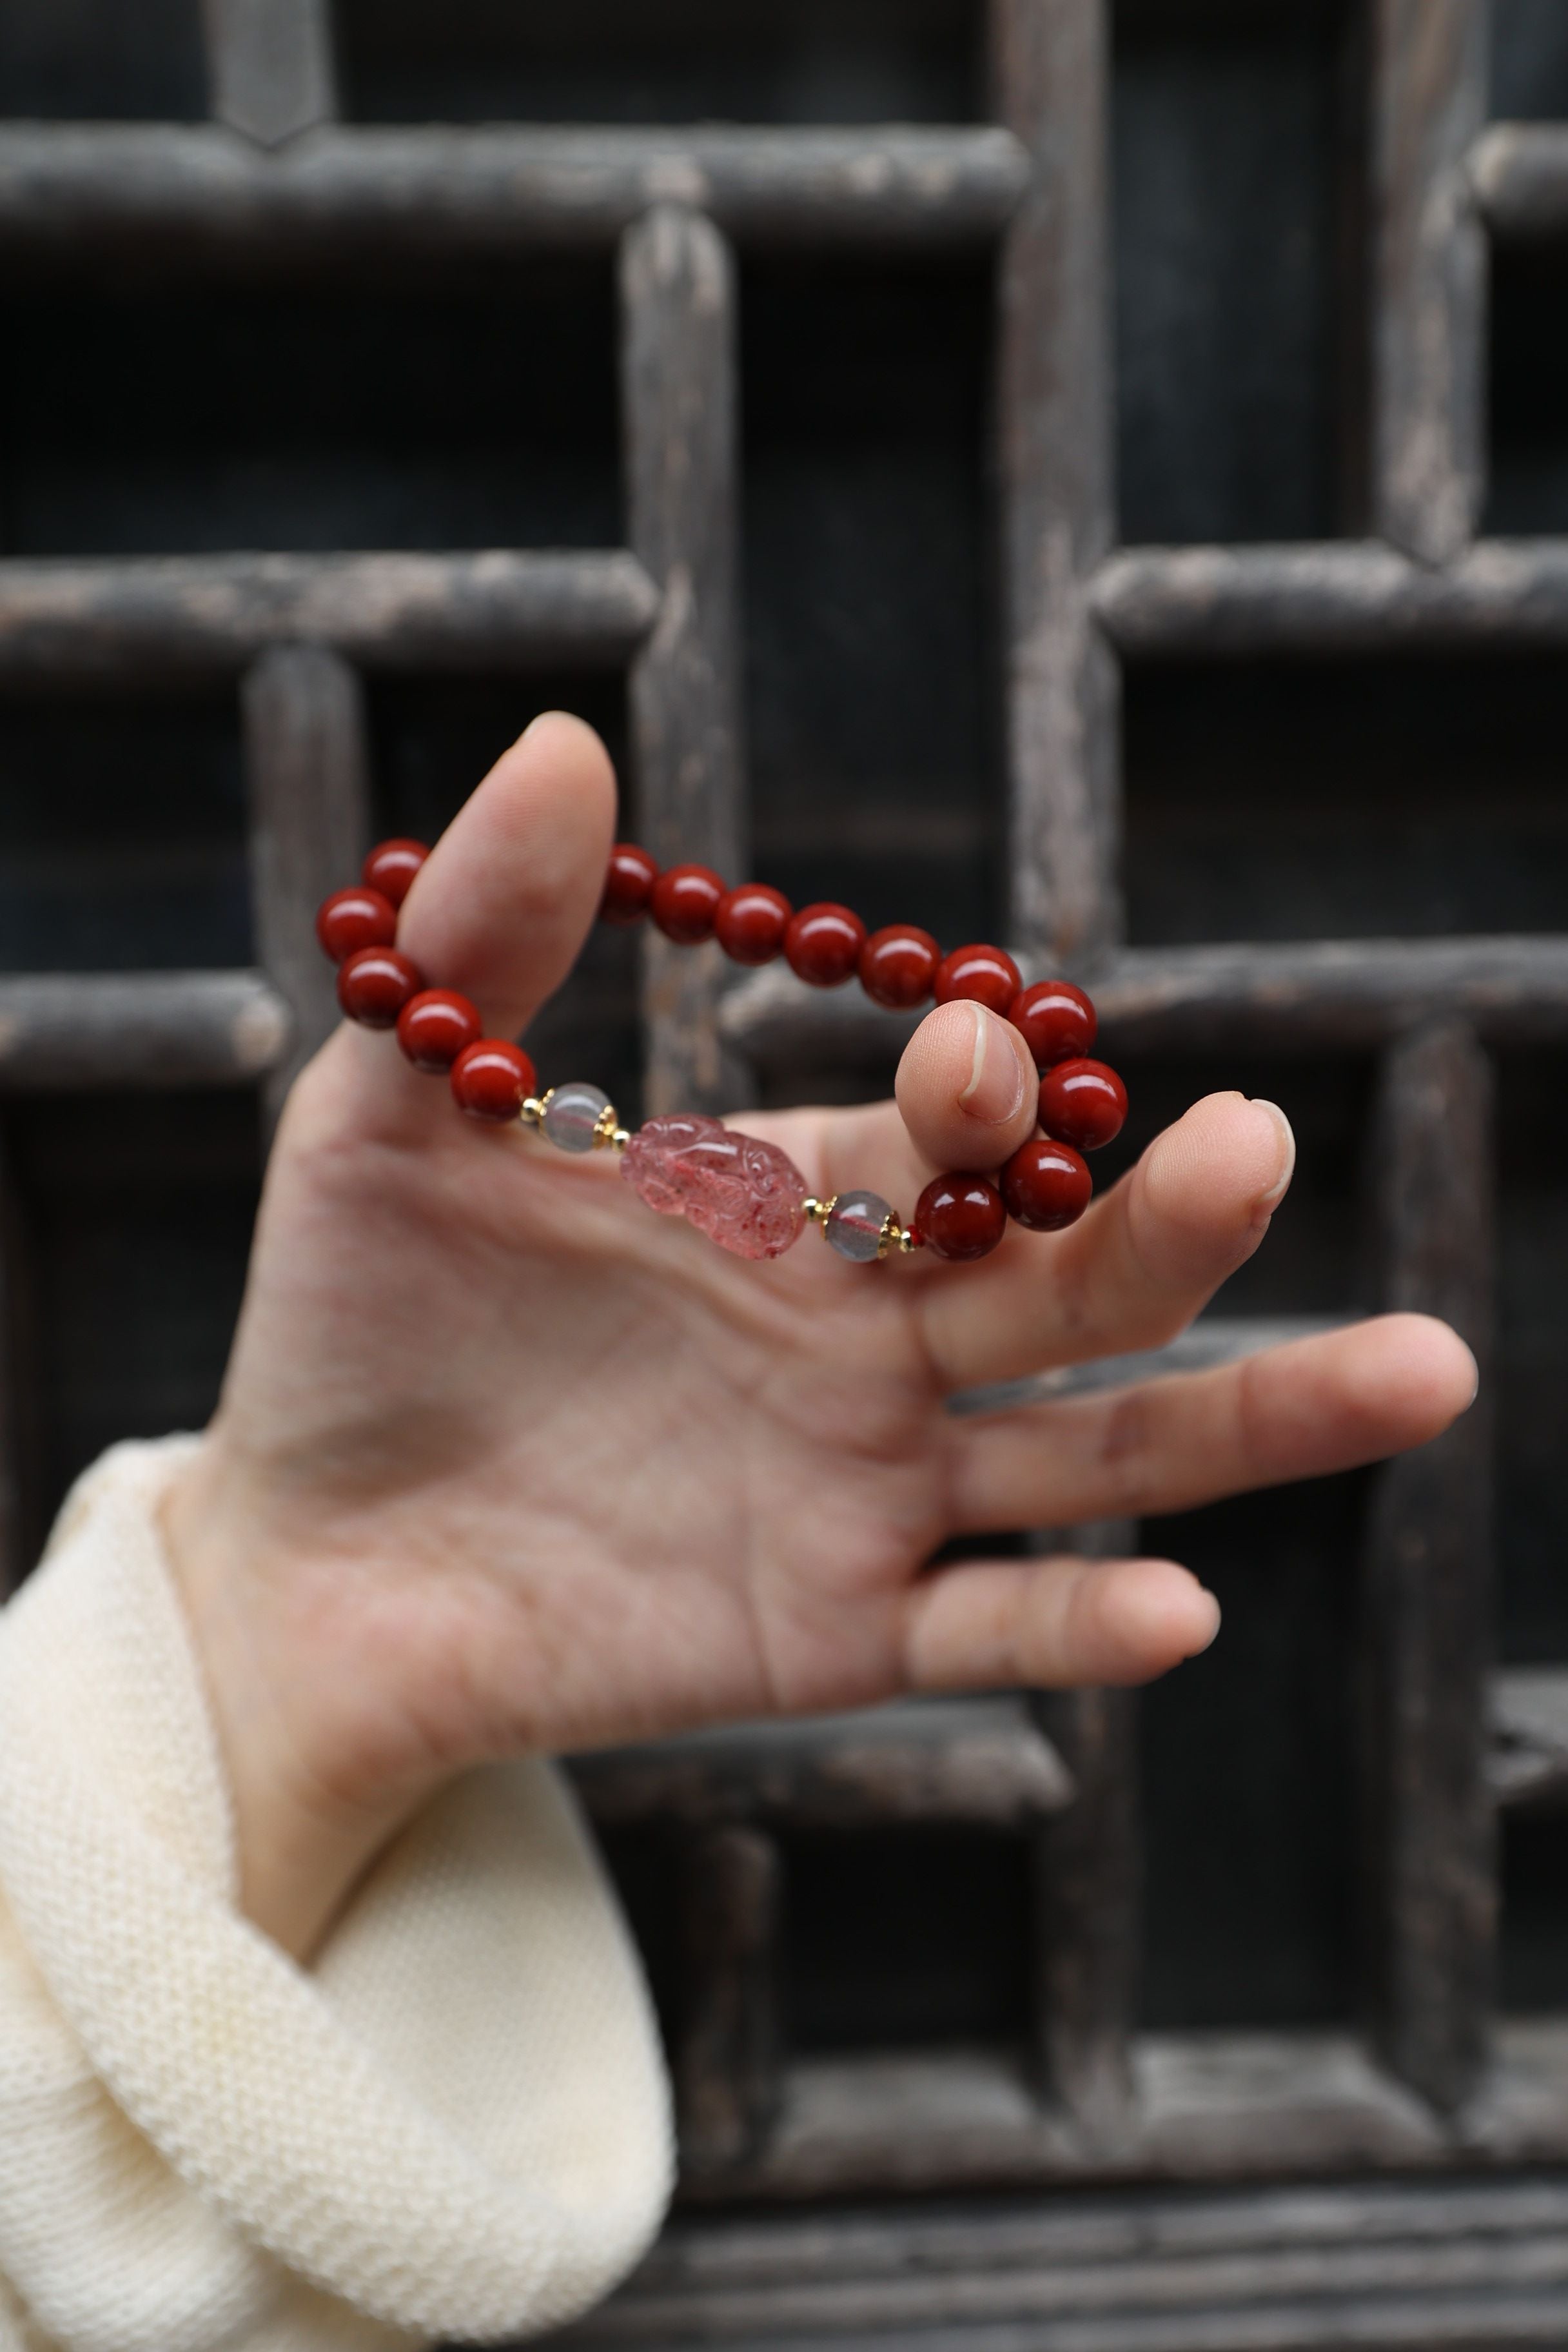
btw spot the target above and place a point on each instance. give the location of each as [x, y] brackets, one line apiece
[499, 911]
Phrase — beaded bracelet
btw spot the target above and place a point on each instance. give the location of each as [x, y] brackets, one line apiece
[743, 1193]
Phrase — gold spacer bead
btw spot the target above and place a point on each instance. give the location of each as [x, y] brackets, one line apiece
[907, 1242]
[534, 1108]
[607, 1127]
[818, 1212]
[621, 1137]
[890, 1236]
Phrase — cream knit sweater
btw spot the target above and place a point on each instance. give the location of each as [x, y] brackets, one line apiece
[455, 2123]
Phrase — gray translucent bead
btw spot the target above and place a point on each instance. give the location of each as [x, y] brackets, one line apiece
[855, 1225]
[573, 1114]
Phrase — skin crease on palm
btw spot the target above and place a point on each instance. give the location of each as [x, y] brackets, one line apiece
[506, 1462]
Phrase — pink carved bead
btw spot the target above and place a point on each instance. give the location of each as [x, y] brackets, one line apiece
[744, 1194]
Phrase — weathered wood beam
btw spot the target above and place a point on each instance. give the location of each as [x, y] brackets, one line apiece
[1087, 1874]
[777, 1022]
[169, 189]
[1430, 1892]
[1348, 995]
[727, 2062]
[1201, 604]
[158, 617]
[1212, 2107]
[77, 1031]
[1050, 70]
[1428, 274]
[1344, 994]
[67, 1033]
[1520, 175]
[169, 615]
[307, 779]
[1205, 2106]
[980, 1761]
[270, 66]
[1291, 2269]
[679, 420]
[1086, 1904]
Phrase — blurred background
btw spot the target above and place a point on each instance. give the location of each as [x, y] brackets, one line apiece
[1258, 281]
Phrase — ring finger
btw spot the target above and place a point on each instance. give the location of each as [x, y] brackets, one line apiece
[1295, 1411]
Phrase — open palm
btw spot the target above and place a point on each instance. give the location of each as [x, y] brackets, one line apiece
[505, 1461]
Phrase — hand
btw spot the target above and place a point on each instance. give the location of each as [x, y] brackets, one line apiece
[506, 1461]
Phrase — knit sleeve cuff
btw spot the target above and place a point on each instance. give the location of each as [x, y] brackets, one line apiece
[455, 2123]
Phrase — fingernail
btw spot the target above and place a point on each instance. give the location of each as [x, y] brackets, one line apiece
[995, 1089]
[1276, 1192]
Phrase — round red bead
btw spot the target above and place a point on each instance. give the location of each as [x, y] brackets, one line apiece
[898, 966]
[989, 975]
[391, 867]
[684, 901]
[631, 875]
[492, 1079]
[1045, 1185]
[356, 918]
[1056, 1019]
[823, 944]
[435, 1026]
[1083, 1104]
[961, 1216]
[374, 985]
[750, 922]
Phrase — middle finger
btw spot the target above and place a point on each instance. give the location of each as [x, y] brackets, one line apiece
[1135, 1269]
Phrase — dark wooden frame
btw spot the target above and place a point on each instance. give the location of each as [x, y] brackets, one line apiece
[1431, 2081]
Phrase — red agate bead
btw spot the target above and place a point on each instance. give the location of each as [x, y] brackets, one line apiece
[1082, 1103]
[1058, 1021]
[961, 1216]
[898, 966]
[822, 944]
[1045, 1185]
[492, 1079]
[683, 903]
[750, 922]
[987, 974]
[435, 1026]
[629, 878]
[391, 867]
[374, 985]
[356, 918]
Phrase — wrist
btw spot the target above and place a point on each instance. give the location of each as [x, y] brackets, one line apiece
[309, 1817]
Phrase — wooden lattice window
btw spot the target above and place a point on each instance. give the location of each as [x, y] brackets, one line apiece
[403, 302]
